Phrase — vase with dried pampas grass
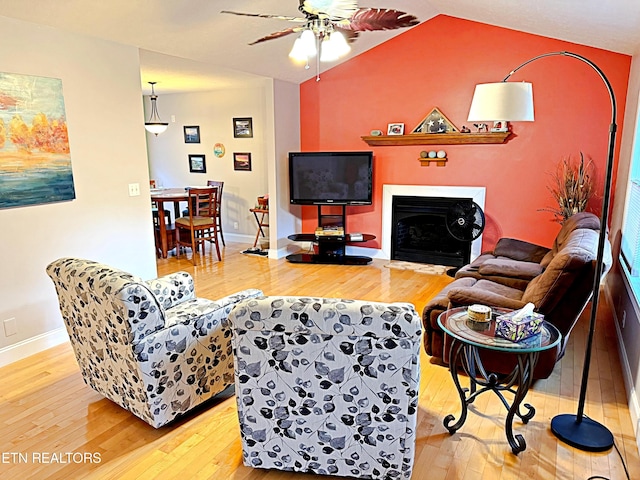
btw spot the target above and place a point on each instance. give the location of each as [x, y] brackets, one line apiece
[571, 188]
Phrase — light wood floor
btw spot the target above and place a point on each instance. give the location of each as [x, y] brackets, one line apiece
[46, 409]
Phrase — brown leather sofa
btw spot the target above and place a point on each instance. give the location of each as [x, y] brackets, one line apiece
[557, 280]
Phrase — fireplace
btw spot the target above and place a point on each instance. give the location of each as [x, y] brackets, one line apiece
[419, 232]
[477, 194]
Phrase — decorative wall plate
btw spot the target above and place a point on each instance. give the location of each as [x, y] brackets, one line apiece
[219, 150]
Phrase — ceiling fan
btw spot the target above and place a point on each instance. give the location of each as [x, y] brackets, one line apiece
[328, 26]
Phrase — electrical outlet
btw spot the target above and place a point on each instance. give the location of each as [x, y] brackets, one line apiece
[10, 327]
[134, 189]
[236, 225]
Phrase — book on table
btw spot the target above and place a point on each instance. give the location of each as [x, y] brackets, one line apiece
[330, 232]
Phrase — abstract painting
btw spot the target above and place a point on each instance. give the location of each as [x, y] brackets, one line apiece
[35, 161]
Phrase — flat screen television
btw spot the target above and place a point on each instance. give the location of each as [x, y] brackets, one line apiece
[330, 178]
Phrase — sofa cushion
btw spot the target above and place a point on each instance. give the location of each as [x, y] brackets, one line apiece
[510, 268]
[486, 292]
[519, 250]
[581, 220]
[547, 289]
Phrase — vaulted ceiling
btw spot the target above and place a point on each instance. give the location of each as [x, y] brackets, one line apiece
[189, 45]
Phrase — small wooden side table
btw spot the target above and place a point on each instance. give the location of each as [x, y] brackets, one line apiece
[263, 221]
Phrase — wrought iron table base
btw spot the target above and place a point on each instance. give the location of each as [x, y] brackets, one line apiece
[517, 383]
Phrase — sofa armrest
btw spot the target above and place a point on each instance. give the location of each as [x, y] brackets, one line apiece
[197, 316]
[238, 297]
[171, 290]
[510, 268]
[519, 250]
[460, 297]
[198, 308]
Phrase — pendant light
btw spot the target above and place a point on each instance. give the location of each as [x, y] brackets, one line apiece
[155, 125]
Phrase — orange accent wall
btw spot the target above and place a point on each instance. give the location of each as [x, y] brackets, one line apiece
[438, 64]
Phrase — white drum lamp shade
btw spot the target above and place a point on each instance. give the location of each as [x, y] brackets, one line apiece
[505, 101]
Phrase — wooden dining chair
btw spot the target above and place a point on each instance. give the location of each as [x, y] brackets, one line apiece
[200, 225]
[220, 186]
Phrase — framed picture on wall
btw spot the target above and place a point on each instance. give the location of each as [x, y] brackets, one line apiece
[197, 164]
[243, 127]
[191, 134]
[242, 161]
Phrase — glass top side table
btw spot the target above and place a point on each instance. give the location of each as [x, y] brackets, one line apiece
[467, 340]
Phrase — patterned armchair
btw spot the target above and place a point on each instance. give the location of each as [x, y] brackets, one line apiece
[327, 386]
[151, 347]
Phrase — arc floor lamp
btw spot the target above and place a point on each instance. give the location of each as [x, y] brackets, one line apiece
[504, 101]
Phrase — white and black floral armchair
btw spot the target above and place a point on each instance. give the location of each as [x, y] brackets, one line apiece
[327, 386]
[150, 346]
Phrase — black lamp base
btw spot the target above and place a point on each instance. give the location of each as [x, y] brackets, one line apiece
[587, 435]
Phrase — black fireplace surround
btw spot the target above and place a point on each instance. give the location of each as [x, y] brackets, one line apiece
[419, 232]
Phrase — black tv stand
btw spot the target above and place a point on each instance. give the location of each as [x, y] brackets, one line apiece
[331, 248]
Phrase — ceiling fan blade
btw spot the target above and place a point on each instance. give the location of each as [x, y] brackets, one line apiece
[335, 9]
[265, 15]
[281, 33]
[369, 19]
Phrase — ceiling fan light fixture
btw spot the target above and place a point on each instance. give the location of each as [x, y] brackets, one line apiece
[321, 19]
[298, 53]
[328, 50]
[155, 125]
[308, 42]
[334, 46]
[340, 44]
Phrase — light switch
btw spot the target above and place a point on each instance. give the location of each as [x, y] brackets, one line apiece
[10, 327]
[134, 189]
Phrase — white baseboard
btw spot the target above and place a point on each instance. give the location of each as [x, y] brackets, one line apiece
[279, 253]
[239, 237]
[32, 345]
[632, 395]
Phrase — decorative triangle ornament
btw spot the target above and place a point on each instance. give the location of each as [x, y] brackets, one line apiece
[435, 122]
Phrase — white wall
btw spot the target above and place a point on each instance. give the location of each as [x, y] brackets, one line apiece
[213, 112]
[625, 308]
[102, 94]
[286, 219]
